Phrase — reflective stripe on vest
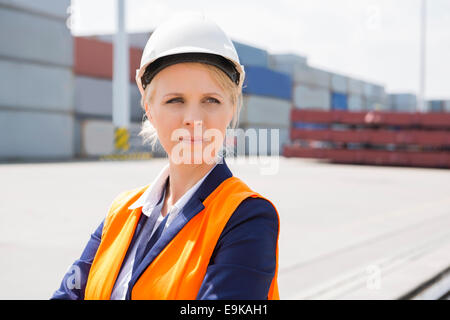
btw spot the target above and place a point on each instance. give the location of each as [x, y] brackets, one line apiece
[178, 270]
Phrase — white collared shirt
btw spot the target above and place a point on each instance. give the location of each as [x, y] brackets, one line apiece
[148, 201]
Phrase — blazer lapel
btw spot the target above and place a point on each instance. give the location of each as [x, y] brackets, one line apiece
[220, 173]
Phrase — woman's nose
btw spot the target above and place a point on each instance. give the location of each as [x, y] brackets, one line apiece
[193, 123]
[193, 117]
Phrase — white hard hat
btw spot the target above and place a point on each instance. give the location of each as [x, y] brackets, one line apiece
[188, 37]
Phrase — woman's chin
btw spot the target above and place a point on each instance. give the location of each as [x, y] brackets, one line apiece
[193, 157]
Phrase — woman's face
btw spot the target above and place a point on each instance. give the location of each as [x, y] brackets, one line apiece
[190, 112]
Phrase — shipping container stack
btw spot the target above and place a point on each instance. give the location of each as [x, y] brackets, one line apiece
[93, 96]
[348, 120]
[36, 81]
[56, 99]
[267, 101]
[311, 88]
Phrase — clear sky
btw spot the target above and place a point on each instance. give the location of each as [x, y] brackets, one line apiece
[374, 40]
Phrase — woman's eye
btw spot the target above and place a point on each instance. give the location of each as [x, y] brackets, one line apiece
[213, 100]
[175, 100]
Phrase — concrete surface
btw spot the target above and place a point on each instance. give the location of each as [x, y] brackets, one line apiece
[346, 231]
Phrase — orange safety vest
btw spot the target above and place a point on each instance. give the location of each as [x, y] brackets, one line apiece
[178, 271]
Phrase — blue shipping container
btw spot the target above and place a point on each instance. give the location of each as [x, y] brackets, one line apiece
[266, 82]
[436, 105]
[253, 56]
[339, 101]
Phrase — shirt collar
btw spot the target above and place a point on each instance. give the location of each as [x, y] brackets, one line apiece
[153, 193]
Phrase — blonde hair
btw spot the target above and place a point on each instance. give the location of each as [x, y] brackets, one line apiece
[148, 132]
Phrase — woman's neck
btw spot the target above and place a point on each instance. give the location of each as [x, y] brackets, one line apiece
[182, 177]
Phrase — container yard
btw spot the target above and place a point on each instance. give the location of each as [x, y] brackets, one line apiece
[362, 172]
[342, 225]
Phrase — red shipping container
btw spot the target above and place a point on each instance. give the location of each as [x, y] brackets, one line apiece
[94, 58]
[298, 115]
[435, 120]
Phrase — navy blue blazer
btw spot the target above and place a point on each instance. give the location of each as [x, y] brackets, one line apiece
[243, 262]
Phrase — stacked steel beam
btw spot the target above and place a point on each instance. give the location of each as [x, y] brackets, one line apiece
[374, 137]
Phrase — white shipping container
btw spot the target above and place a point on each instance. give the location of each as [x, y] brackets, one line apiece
[36, 135]
[286, 63]
[405, 108]
[403, 101]
[54, 8]
[97, 137]
[250, 55]
[355, 86]
[376, 105]
[368, 89]
[93, 97]
[312, 77]
[390, 101]
[446, 105]
[311, 98]
[264, 110]
[267, 142]
[371, 90]
[339, 83]
[135, 40]
[382, 107]
[29, 85]
[379, 92]
[356, 103]
[35, 38]
[381, 100]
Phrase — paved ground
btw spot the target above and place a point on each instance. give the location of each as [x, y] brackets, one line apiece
[346, 231]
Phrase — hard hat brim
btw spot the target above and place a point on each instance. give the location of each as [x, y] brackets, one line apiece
[180, 51]
[218, 61]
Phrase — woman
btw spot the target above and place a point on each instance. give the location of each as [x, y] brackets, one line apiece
[196, 231]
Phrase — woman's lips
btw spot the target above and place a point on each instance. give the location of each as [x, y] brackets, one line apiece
[193, 139]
